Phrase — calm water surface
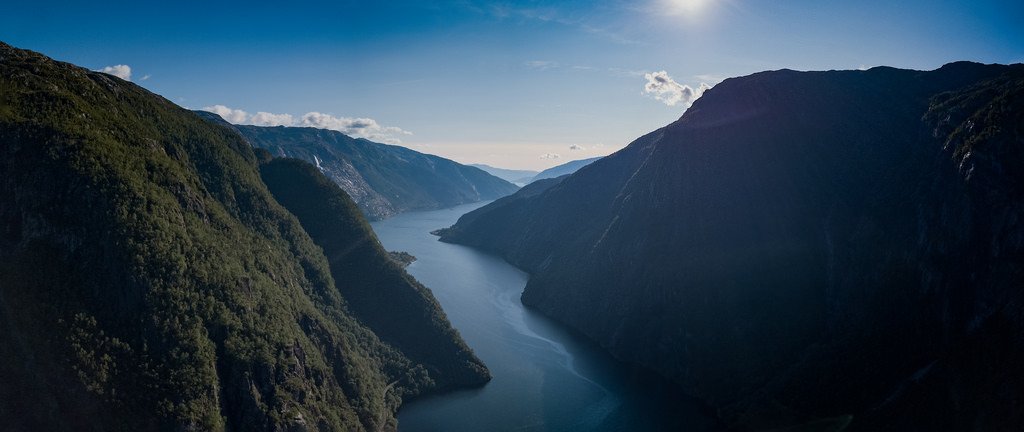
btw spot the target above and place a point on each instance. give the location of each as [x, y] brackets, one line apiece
[545, 377]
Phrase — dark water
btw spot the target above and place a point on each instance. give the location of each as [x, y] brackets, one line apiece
[545, 377]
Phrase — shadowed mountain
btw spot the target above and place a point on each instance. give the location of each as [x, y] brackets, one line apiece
[563, 169]
[510, 175]
[157, 274]
[384, 180]
[824, 250]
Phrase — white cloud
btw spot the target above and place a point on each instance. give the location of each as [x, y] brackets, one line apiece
[121, 71]
[144, 77]
[235, 116]
[270, 119]
[576, 147]
[550, 156]
[357, 127]
[671, 93]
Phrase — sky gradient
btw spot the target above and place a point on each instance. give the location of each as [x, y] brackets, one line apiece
[509, 84]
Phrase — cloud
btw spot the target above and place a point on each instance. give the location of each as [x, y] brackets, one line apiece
[576, 147]
[270, 119]
[541, 64]
[671, 93]
[626, 72]
[550, 156]
[710, 78]
[357, 127]
[121, 71]
[144, 77]
[235, 116]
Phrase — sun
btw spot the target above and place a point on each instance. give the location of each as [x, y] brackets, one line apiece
[685, 7]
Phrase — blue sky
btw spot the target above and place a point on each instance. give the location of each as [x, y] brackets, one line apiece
[511, 84]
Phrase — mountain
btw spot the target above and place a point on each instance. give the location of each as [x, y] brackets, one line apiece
[563, 169]
[807, 250]
[158, 273]
[510, 175]
[384, 180]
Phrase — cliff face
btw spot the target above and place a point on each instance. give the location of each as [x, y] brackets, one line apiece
[384, 180]
[802, 247]
[149, 279]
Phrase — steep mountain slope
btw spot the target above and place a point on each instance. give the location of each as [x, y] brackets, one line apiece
[398, 309]
[383, 179]
[510, 175]
[563, 169]
[149, 280]
[826, 247]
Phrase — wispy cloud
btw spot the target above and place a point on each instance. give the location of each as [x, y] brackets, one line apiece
[550, 156]
[555, 15]
[541, 64]
[712, 79]
[575, 147]
[665, 89]
[121, 71]
[627, 72]
[356, 127]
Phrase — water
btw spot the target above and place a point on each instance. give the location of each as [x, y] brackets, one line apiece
[546, 378]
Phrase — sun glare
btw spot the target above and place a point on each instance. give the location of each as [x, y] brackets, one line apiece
[685, 7]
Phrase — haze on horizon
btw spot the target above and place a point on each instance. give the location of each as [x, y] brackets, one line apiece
[522, 85]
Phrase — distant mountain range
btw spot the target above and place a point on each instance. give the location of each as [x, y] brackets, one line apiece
[384, 180]
[524, 177]
[159, 273]
[519, 177]
[836, 250]
[563, 169]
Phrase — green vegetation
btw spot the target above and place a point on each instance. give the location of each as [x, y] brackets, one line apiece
[402, 258]
[401, 311]
[150, 280]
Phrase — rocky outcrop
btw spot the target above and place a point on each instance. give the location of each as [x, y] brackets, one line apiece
[830, 249]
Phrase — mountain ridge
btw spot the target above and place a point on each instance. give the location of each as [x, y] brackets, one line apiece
[791, 225]
[564, 169]
[511, 175]
[383, 179]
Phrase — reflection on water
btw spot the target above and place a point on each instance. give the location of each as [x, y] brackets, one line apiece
[545, 377]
